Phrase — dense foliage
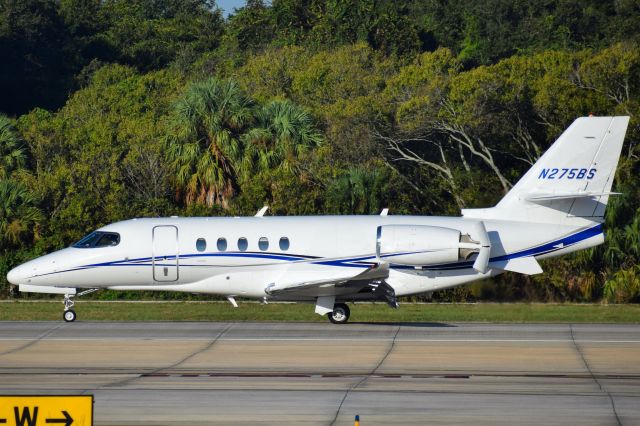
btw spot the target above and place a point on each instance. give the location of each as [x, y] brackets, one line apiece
[113, 109]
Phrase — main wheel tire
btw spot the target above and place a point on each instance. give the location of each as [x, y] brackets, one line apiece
[69, 316]
[340, 314]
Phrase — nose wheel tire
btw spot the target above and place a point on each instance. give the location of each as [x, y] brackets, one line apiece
[69, 316]
[340, 314]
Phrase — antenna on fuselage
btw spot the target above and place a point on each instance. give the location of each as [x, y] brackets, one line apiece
[262, 211]
[384, 212]
[232, 300]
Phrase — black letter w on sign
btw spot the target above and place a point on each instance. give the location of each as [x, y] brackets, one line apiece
[25, 418]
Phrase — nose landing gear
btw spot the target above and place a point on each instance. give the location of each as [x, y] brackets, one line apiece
[69, 315]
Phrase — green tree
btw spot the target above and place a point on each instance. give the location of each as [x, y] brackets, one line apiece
[87, 168]
[284, 132]
[342, 88]
[19, 214]
[270, 74]
[150, 34]
[12, 152]
[623, 286]
[292, 19]
[482, 32]
[613, 74]
[36, 69]
[85, 24]
[251, 26]
[204, 129]
[383, 24]
[358, 191]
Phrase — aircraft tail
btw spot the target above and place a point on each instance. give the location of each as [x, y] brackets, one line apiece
[572, 181]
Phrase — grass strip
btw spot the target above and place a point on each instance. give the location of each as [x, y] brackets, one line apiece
[301, 312]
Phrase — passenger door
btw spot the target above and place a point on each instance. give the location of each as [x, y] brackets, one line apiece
[165, 253]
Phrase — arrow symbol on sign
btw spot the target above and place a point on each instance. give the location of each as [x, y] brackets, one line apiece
[67, 421]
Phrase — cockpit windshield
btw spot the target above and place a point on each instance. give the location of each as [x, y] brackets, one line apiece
[98, 239]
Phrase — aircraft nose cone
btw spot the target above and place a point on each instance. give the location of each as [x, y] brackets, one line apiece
[17, 275]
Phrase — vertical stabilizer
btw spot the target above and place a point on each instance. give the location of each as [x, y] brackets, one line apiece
[571, 181]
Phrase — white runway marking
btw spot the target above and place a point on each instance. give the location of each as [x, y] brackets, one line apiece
[316, 339]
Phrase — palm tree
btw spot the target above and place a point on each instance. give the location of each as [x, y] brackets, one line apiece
[18, 212]
[204, 140]
[284, 132]
[357, 191]
[12, 154]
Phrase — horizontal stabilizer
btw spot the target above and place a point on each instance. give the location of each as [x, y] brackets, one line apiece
[535, 197]
[522, 265]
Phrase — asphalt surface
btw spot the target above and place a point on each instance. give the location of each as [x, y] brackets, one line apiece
[232, 373]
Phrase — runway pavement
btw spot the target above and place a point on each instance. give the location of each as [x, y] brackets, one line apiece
[232, 373]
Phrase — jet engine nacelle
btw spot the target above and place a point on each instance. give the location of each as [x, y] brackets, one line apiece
[416, 245]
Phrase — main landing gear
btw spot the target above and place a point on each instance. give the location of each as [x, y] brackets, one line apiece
[340, 314]
[69, 314]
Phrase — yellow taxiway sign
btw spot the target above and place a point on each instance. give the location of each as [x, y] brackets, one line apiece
[46, 410]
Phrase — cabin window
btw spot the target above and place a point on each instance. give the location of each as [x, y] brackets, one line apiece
[263, 243]
[201, 244]
[222, 244]
[242, 244]
[99, 239]
[284, 243]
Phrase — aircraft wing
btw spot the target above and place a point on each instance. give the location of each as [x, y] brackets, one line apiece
[333, 286]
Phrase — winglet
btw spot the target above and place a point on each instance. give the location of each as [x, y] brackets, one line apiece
[262, 211]
[482, 261]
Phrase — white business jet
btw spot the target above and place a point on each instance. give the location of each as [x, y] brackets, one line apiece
[556, 208]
